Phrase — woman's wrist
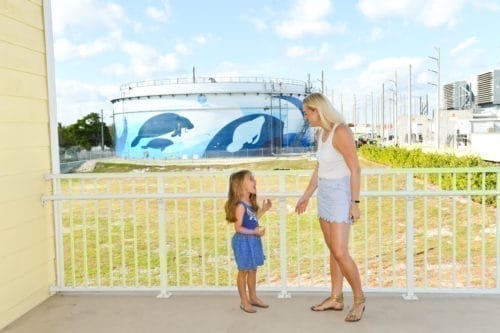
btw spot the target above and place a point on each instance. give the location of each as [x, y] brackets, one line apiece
[355, 201]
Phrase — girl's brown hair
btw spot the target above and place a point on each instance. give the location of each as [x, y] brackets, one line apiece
[235, 193]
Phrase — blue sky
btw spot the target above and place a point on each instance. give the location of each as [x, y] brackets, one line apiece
[100, 45]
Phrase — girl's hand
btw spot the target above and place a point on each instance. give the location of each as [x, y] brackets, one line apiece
[267, 204]
[260, 231]
[301, 205]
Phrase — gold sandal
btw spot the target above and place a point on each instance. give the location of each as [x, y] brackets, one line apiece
[352, 316]
[335, 298]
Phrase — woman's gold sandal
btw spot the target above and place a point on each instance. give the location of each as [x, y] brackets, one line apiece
[352, 316]
[334, 298]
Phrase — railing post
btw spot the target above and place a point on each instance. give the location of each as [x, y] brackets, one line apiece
[283, 252]
[162, 239]
[410, 263]
[59, 237]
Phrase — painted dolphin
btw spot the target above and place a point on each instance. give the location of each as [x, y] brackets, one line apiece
[158, 143]
[248, 132]
[162, 124]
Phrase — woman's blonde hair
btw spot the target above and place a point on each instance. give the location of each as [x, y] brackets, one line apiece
[235, 193]
[327, 113]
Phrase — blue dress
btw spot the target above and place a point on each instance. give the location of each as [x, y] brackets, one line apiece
[248, 251]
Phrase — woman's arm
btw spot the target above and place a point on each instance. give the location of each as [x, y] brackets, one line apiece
[343, 142]
[311, 187]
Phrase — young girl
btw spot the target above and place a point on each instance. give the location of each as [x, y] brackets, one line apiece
[242, 210]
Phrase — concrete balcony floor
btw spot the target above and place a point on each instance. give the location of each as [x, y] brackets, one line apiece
[219, 312]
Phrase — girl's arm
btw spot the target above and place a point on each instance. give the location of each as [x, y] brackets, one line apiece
[311, 187]
[266, 205]
[238, 224]
[343, 142]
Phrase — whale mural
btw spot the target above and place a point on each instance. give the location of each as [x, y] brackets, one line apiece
[122, 139]
[162, 124]
[246, 133]
[159, 143]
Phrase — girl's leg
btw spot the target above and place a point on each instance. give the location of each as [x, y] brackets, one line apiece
[252, 290]
[241, 282]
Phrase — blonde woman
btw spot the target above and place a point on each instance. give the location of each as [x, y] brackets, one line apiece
[337, 180]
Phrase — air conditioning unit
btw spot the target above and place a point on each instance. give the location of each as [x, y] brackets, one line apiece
[488, 88]
[458, 96]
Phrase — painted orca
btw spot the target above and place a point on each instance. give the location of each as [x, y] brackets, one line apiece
[162, 124]
[158, 143]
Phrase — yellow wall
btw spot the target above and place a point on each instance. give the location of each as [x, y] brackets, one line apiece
[27, 267]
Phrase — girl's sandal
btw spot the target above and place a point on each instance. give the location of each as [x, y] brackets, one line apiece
[359, 302]
[334, 298]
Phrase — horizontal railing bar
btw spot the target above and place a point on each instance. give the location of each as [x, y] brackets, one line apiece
[475, 170]
[370, 194]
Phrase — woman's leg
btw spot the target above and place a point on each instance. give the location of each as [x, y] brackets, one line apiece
[339, 233]
[337, 277]
[335, 301]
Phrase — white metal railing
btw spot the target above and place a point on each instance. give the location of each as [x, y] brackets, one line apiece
[421, 230]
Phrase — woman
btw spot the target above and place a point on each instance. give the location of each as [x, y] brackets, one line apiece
[337, 179]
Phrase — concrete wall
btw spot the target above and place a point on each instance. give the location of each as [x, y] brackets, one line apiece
[26, 227]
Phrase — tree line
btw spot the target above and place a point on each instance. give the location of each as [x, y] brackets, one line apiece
[86, 133]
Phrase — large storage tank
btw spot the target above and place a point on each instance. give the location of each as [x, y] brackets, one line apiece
[211, 117]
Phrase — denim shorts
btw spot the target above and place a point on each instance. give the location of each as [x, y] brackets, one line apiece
[334, 199]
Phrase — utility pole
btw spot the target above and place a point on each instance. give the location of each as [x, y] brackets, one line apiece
[382, 114]
[409, 107]
[396, 107]
[438, 101]
[102, 132]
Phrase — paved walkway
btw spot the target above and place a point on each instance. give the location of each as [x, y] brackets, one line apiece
[219, 312]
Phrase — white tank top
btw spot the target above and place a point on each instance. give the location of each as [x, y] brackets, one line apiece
[331, 163]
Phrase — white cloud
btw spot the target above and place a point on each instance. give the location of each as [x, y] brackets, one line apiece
[145, 61]
[202, 39]
[308, 18]
[490, 5]
[463, 45]
[160, 14]
[182, 49]
[308, 53]
[76, 99]
[350, 61]
[298, 51]
[88, 14]
[65, 50]
[376, 34]
[430, 13]
[384, 69]
[259, 18]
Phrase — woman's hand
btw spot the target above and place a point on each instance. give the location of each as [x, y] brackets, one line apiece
[354, 212]
[301, 205]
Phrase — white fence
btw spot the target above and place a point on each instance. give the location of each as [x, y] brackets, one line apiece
[421, 230]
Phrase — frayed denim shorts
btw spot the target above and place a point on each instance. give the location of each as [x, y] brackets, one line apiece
[334, 199]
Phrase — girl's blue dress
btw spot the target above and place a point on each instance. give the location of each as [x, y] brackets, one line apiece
[247, 249]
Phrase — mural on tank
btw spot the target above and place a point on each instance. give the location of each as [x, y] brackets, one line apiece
[210, 130]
